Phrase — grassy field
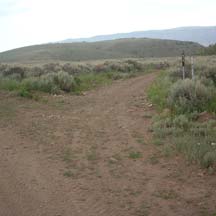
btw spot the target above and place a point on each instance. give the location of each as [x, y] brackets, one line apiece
[122, 48]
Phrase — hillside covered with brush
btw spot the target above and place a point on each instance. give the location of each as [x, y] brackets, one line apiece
[121, 48]
[210, 50]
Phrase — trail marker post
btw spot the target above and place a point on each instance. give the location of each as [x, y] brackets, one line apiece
[183, 65]
[192, 67]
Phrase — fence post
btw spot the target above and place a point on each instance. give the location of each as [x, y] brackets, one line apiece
[183, 65]
[192, 67]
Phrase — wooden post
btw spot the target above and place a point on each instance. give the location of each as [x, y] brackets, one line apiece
[183, 65]
[192, 67]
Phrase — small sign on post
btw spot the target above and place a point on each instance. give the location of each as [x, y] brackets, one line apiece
[183, 65]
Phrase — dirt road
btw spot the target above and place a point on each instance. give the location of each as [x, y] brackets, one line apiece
[93, 155]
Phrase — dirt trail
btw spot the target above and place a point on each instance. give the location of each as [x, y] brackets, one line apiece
[93, 155]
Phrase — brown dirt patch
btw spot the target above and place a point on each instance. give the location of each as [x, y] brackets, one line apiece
[92, 155]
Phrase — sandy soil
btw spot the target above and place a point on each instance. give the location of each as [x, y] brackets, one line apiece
[93, 155]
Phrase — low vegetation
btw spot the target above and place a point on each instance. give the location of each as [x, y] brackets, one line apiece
[210, 50]
[187, 114]
[56, 78]
[135, 155]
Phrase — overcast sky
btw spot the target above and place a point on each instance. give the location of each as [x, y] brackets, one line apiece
[28, 22]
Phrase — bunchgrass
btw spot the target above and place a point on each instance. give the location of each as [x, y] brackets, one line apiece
[135, 155]
[159, 91]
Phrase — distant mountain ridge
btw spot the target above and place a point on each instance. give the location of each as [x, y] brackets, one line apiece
[202, 35]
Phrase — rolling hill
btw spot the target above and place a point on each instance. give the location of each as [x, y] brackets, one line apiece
[202, 35]
[121, 48]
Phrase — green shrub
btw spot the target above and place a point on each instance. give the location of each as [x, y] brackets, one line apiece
[35, 72]
[136, 65]
[212, 105]
[51, 82]
[52, 67]
[205, 129]
[197, 149]
[210, 73]
[187, 96]
[209, 159]
[159, 90]
[9, 84]
[15, 72]
[24, 93]
[30, 83]
[64, 81]
[77, 69]
[44, 83]
[181, 121]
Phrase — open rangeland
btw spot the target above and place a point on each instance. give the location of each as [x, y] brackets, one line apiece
[92, 155]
